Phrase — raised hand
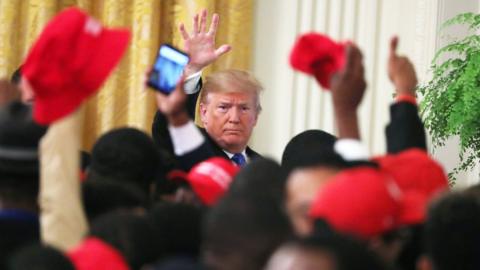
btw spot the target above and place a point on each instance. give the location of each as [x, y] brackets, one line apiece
[401, 71]
[200, 44]
[347, 87]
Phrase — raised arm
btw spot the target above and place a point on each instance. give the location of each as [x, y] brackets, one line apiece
[405, 129]
[348, 87]
[189, 144]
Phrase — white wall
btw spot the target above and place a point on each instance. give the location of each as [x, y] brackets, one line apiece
[293, 102]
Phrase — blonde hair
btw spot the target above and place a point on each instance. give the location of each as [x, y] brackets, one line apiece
[231, 80]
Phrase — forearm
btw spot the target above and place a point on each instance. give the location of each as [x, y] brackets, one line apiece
[63, 221]
[405, 129]
[347, 124]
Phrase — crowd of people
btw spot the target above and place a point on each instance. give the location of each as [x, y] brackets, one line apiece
[191, 197]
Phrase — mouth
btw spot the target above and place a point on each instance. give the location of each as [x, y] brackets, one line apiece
[232, 131]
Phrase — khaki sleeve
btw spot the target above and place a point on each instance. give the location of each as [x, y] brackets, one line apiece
[62, 218]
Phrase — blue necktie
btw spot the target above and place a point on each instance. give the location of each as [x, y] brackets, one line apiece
[239, 159]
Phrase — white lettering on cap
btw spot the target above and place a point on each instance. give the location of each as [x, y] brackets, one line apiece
[393, 189]
[92, 27]
[215, 173]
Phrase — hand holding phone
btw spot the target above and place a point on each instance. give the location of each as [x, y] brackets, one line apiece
[168, 69]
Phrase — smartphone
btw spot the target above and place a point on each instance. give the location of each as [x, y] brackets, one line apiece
[168, 69]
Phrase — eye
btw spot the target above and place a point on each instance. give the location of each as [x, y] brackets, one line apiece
[245, 108]
[222, 108]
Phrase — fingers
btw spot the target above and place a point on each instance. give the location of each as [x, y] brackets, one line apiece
[222, 50]
[393, 46]
[213, 25]
[203, 21]
[195, 24]
[183, 31]
[353, 59]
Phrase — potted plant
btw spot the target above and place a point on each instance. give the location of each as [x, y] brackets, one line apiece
[451, 98]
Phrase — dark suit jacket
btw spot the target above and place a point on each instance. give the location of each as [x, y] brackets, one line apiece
[208, 149]
[405, 129]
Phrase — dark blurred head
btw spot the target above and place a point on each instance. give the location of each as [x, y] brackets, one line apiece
[261, 178]
[329, 252]
[178, 228]
[132, 235]
[413, 248]
[310, 161]
[19, 159]
[311, 148]
[40, 257]
[241, 232]
[474, 190]
[126, 155]
[178, 263]
[452, 233]
[101, 197]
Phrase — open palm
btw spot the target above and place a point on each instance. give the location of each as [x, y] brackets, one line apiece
[200, 43]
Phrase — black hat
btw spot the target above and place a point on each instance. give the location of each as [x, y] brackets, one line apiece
[311, 148]
[19, 138]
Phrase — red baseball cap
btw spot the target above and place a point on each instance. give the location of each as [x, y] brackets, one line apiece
[70, 60]
[362, 201]
[318, 55]
[209, 179]
[419, 177]
[94, 254]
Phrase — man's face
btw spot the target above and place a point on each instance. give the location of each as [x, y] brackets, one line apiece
[302, 188]
[229, 118]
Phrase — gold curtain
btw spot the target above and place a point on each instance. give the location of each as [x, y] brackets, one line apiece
[121, 102]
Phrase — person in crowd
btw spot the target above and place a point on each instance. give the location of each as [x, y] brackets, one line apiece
[19, 178]
[132, 235]
[326, 252]
[101, 197]
[39, 257]
[241, 233]
[206, 182]
[229, 104]
[178, 230]
[263, 178]
[128, 156]
[60, 87]
[248, 223]
[426, 178]
[451, 233]
[310, 161]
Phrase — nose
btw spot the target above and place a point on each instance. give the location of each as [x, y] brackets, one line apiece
[234, 116]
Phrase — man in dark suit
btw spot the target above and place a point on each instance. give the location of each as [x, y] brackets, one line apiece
[229, 108]
[229, 105]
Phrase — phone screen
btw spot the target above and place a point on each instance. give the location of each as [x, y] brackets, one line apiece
[167, 69]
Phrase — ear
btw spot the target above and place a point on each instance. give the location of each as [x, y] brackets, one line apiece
[424, 263]
[203, 113]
